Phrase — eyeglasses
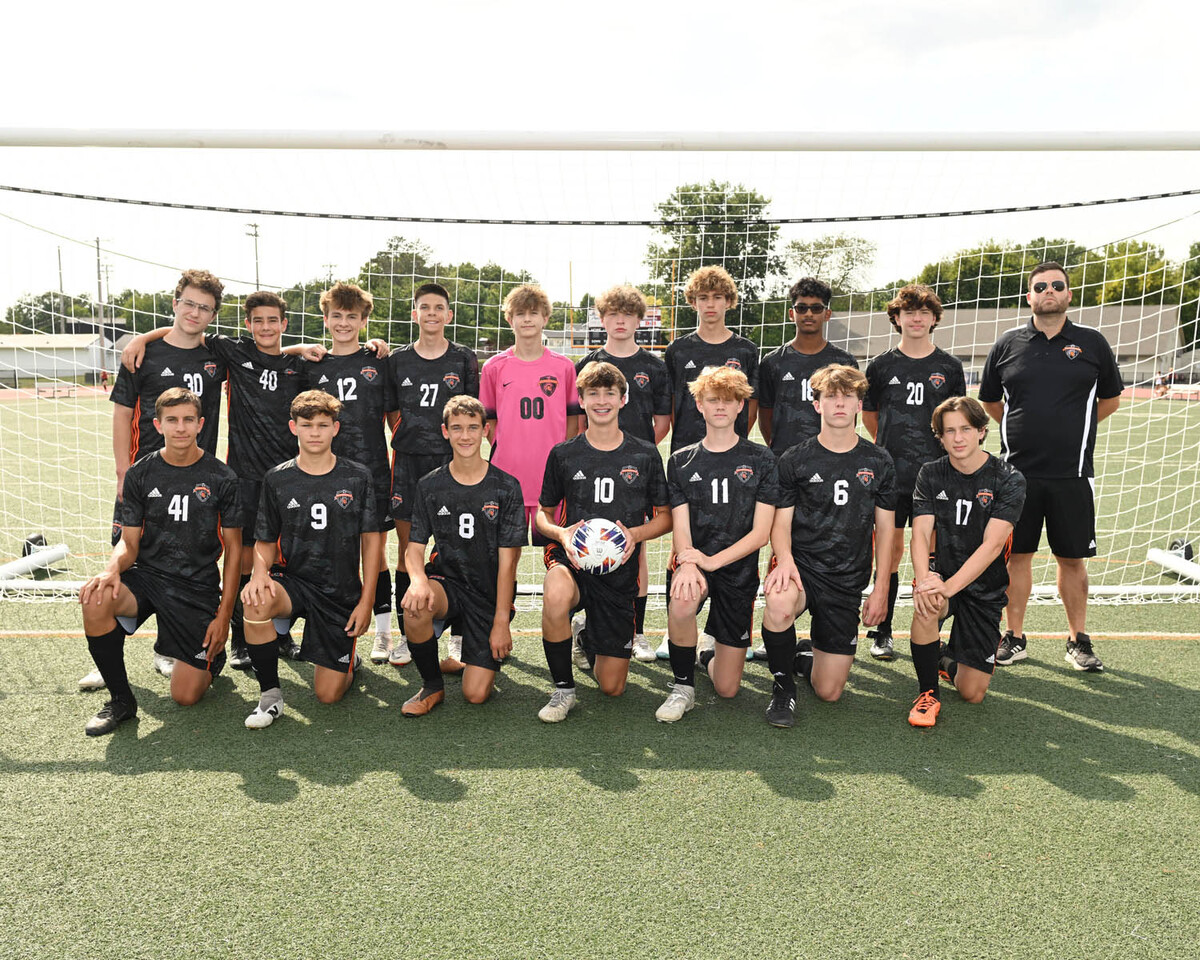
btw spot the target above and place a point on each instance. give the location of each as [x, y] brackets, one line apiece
[1058, 286]
[201, 308]
[814, 308]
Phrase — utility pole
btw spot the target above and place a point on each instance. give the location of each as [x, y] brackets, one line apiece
[329, 271]
[254, 234]
[97, 313]
[62, 318]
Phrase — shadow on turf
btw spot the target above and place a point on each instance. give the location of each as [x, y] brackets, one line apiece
[1040, 720]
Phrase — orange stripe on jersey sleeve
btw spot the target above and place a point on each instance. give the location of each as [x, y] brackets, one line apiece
[135, 431]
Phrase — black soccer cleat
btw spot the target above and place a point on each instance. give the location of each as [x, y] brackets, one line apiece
[1081, 656]
[289, 649]
[239, 657]
[111, 715]
[781, 711]
[881, 644]
[803, 662]
[1011, 649]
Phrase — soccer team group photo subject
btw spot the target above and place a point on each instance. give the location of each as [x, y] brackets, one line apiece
[293, 525]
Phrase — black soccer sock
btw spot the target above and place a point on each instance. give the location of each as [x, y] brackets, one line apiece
[236, 621]
[893, 589]
[639, 615]
[265, 657]
[558, 659]
[781, 656]
[925, 662]
[706, 657]
[108, 653]
[425, 656]
[683, 663]
[403, 582]
[383, 592]
[951, 669]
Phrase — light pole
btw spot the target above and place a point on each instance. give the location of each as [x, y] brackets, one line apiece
[254, 233]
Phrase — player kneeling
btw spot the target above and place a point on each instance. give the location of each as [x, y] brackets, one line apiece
[723, 492]
[971, 499]
[837, 501]
[476, 516]
[602, 473]
[179, 510]
[318, 519]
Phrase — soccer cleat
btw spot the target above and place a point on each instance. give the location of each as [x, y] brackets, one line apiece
[1081, 656]
[706, 643]
[1011, 649]
[679, 701]
[422, 703]
[578, 654]
[760, 652]
[239, 657]
[642, 651]
[561, 703]
[289, 649]
[380, 649]
[400, 655]
[267, 711]
[92, 681]
[925, 710]
[781, 711]
[803, 662]
[944, 664]
[663, 651]
[881, 645]
[111, 715]
[163, 665]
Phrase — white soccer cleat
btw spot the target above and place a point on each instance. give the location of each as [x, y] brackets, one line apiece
[679, 701]
[380, 649]
[163, 665]
[454, 648]
[264, 716]
[92, 681]
[578, 654]
[664, 649]
[400, 655]
[642, 651]
[704, 643]
[561, 703]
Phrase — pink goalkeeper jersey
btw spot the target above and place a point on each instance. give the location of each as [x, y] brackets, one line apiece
[530, 401]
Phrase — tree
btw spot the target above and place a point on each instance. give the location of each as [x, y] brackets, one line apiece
[1189, 306]
[840, 259]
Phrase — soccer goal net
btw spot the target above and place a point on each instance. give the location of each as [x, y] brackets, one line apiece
[94, 240]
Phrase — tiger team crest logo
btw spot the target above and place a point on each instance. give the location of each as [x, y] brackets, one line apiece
[202, 492]
[369, 372]
[743, 472]
[397, 500]
[491, 509]
[865, 476]
[116, 531]
[451, 380]
[210, 368]
[734, 362]
[985, 497]
[938, 380]
[641, 379]
[548, 384]
[629, 474]
[344, 498]
[1072, 351]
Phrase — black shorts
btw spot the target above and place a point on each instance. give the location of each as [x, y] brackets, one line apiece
[249, 492]
[730, 595]
[325, 641]
[184, 613]
[975, 633]
[1067, 507]
[609, 603]
[407, 469]
[903, 509]
[473, 615]
[834, 612]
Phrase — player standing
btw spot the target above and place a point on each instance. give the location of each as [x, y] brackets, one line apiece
[723, 492]
[971, 500]
[837, 494]
[179, 510]
[904, 387]
[317, 520]
[606, 473]
[475, 514]
[1048, 384]
[647, 410]
[423, 376]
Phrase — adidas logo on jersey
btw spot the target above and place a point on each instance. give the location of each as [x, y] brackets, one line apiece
[816, 478]
[248, 365]
[153, 493]
[579, 475]
[443, 512]
[942, 495]
[895, 380]
[324, 379]
[1092, 545]
[696, 478]
[167, 372]
[202, 655]
[991, 659]
[787, 376]
[293, 505]
[345, 659]
[406, 383]
[689, 366]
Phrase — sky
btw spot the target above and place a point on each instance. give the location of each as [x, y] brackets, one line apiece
[652, 67]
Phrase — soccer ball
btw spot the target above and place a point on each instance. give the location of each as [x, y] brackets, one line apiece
[599, 545]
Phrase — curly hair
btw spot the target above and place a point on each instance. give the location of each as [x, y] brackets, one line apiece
[714, 280]
[622, 299]
[349, 297]
[202, 280]
[838, 378]
[914, 296]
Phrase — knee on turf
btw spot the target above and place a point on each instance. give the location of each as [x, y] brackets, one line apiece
[829, 692]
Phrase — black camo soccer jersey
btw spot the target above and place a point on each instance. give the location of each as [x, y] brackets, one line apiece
[317, 521]
[181, 511]
[624, 484]
[835, 496]
[905, 392]
[420, 389]
[261, 389]
[468, 525]
[783, 386]
[722, 491]
[1050, 389]
[360, 381]
[961, 505]
[164, 366]
[686, 357]
[648, 391]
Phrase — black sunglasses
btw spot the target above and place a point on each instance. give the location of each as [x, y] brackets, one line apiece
[813, 308]
[1058, 286]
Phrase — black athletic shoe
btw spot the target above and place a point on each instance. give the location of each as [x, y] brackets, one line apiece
[881, 644]
[1080, 655]
[802, 665]
[112, 714]
[1011, 649]
[239, 657]
[289, 649]
[781, 711]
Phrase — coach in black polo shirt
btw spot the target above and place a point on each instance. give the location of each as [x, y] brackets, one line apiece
[1048, 383]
